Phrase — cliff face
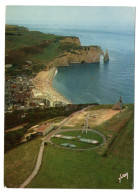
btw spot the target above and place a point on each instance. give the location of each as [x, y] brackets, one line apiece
[46, 50]
[85, 55]
[89, 54]
[71, 40]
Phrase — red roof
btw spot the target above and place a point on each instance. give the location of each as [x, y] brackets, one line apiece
[43, 127]
[14, 86]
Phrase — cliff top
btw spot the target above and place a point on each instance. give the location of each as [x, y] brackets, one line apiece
[22, 45]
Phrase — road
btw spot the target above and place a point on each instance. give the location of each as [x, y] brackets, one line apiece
[47, 139]
[37, 166]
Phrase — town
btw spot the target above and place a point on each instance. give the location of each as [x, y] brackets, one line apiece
[20, 92]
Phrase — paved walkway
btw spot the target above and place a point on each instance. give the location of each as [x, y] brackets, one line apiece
[40, 155]
[37, 166]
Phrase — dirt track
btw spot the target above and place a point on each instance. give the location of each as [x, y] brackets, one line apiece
[96, 117]
[16, 128]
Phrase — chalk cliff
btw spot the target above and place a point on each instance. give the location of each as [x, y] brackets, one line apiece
[71, 40]
[106, 56]
[45, 50]
[82, 54]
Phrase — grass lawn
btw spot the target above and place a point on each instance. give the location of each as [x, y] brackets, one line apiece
[80, 145]
[20, 162]
[114, 126]
[70, 169]
[63, 168]
[89, 169]
[117, 148]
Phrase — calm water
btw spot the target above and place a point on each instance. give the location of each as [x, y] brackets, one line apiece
[110, 80]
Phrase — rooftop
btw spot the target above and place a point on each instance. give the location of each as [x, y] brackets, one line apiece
[43, 127]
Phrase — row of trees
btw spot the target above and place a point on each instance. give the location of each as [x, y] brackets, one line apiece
[13, 138]
[33, 116]
[37, 114]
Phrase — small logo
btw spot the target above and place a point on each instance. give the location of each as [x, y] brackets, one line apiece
[122, 176]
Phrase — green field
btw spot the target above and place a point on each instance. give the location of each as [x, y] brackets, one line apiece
[62, 168]
[20, 162]
[101, 106]
[79, 145]
[90, 169]
[114, 127]
[19, 37]
[22, 45]
[57, 119]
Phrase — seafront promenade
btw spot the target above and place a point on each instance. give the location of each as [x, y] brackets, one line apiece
[43, 87]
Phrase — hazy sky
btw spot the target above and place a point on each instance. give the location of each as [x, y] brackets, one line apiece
[70, 15]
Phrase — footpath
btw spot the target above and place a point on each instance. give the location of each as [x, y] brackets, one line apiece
[40, 155]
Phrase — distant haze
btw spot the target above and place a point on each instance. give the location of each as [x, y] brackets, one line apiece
[67, 15]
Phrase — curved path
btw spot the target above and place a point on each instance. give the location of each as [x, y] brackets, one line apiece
[47, 139]
[37, 166]
[38, 163]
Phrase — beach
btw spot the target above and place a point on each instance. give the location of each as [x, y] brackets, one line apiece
[44, 89]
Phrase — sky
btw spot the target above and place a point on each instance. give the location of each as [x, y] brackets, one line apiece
[67, 15]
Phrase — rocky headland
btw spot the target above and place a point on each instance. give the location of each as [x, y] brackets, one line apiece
[36, 53]
[75, 53]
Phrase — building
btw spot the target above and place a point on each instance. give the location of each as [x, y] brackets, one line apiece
[41, 105]
[58, 103]
[119, 105]
[45, 128]
[37, 94]
[47, 102]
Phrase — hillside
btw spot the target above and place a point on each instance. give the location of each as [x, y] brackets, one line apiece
[40, 51]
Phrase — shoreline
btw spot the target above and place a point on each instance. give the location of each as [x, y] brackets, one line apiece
[43, 88]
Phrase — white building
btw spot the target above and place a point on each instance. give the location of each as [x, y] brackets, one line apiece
[45, 128]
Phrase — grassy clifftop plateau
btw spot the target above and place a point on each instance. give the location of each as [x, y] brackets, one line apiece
[62, 168]
[43, 50]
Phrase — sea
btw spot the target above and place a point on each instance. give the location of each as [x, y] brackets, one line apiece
[101, 83]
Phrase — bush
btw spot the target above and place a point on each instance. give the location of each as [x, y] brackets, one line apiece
[32, 136]
[32, 117]
[27, 138]
[16, 57]
[13, 138]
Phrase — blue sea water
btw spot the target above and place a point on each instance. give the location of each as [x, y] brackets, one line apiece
[110, 79]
